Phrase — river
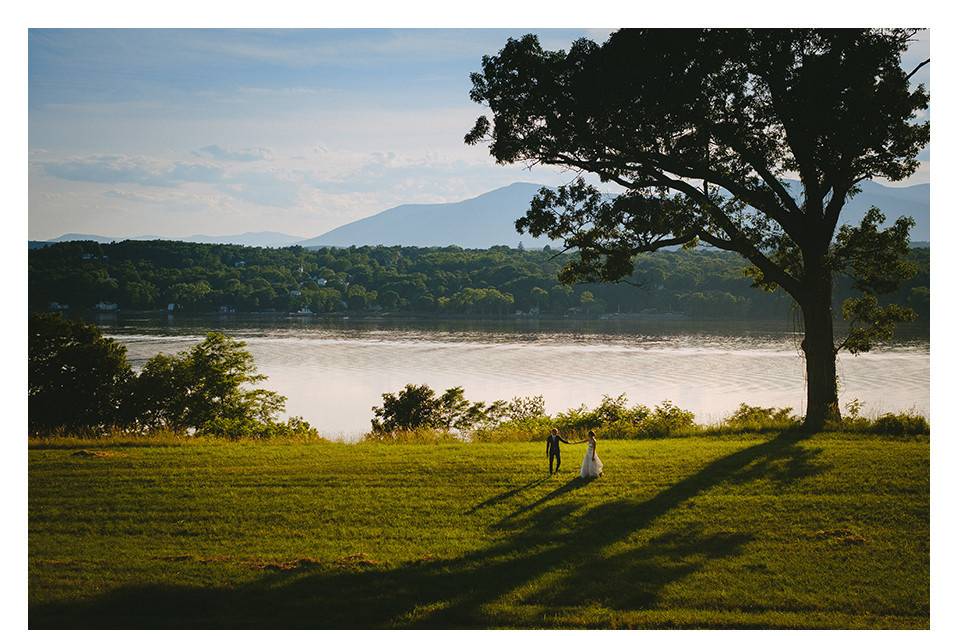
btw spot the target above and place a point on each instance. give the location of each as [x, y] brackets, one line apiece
[333, 372]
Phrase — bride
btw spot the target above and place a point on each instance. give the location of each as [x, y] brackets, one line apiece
[592, 466]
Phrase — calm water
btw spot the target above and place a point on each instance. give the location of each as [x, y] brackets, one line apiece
[334, 372]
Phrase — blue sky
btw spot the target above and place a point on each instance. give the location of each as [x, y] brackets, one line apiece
[175, 132]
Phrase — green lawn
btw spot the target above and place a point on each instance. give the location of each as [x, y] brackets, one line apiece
[772, 531]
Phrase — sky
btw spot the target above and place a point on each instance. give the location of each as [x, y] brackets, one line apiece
[179, 132]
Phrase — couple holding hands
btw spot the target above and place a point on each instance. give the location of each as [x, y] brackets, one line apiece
[592, 466]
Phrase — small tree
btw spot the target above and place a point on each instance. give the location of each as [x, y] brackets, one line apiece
[417, 407]
[205, 390]
[77, 378]
[701, 127]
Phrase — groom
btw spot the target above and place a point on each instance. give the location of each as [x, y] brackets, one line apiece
[553, 448]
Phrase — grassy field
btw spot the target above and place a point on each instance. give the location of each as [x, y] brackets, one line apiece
[768, 531]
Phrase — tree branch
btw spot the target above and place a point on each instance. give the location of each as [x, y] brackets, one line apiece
[917, 68]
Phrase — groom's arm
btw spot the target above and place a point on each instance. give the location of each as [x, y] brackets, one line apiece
[548, 445]
[565, 441]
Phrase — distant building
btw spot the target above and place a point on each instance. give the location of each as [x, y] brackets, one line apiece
[171, 307]
[226, 309]
[295, 292]
[87, 257]
[321, 282]
[54, 306]
[304, 311]
[105, 306]
[239, 263]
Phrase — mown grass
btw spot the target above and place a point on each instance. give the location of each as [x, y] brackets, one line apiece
[771, 530]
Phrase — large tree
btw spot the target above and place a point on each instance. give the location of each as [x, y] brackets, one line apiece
[77, 378]
[745, 140]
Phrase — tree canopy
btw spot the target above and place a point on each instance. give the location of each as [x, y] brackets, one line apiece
[700, 127]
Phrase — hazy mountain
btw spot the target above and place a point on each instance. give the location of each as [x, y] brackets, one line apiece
[488, 219]
[483, 221]
[251, 239]
[913, 201]
[82, 237]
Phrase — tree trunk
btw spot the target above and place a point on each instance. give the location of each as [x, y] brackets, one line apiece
[819, 348]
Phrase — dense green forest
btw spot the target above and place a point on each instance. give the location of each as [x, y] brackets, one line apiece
[151, 275]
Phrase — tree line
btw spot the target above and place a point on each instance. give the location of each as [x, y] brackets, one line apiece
[499, 281]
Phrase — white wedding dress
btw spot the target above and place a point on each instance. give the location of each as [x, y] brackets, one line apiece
[592, 466]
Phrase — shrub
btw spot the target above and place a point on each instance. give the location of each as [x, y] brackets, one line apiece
[901, 424]
[885, 424]
[755, 419]
[666, 420]
[417, 407]
[238, 428]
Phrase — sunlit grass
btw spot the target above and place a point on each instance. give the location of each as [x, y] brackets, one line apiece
[760, 531]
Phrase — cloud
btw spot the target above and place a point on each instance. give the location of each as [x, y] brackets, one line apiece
[125, 169]
[243, 154]
[263, 188]
[270, 188]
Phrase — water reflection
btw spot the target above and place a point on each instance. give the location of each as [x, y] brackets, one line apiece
[333, 371]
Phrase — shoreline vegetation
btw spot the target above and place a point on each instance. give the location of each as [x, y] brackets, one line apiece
[81, 385]
[201, 279]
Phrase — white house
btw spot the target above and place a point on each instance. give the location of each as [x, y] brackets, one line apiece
[105, 306]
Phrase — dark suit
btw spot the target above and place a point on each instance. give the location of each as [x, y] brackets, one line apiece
[553, 449]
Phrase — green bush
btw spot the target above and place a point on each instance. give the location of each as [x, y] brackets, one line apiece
[239, 428]
[612, 419]
[666, 420]
[885, 424]
[756, 419]
[417, 407]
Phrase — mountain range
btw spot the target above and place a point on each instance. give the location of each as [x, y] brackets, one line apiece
[250, 239]
[488, 220]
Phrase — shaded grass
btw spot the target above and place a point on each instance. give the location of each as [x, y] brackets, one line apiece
[762, 531]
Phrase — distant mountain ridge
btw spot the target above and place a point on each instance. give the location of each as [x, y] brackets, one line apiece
[488, 219]
[482, 221]
[249, 239]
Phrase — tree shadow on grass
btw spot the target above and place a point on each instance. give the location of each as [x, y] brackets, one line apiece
[502, 497]
[570, 486]
[559, 556]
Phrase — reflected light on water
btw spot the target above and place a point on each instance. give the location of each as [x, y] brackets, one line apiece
[333, 374]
